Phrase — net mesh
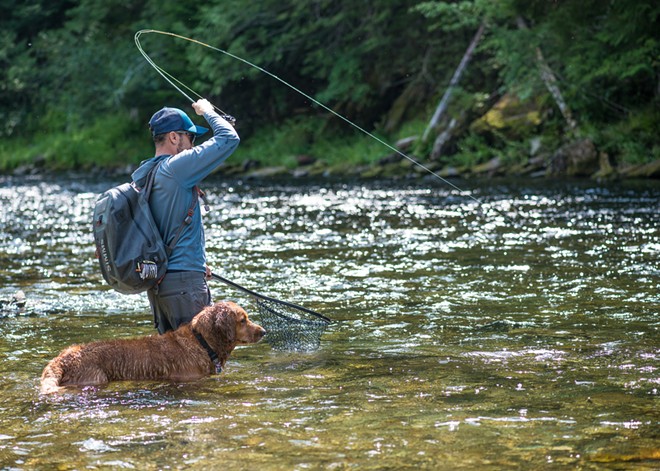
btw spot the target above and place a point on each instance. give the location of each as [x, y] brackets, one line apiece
[288, 328]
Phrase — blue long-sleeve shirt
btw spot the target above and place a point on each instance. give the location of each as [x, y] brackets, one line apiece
[172, 194]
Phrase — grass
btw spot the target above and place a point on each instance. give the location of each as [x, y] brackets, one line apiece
[349, 148]
[110, 141]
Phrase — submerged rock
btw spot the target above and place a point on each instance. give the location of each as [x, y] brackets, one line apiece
[14, 304]
[502, 326]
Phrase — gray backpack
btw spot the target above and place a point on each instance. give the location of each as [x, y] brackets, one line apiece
[129, 247]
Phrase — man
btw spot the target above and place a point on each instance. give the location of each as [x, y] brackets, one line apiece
[183, 292]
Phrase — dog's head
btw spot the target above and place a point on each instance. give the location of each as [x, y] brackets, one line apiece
[227, 324]
[246, 330]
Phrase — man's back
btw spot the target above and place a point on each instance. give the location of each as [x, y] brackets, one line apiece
[173, 193]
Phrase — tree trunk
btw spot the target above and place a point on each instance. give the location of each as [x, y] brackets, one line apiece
[442, 106]
[550, 81]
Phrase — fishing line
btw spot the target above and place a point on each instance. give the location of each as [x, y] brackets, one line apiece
[169, 78]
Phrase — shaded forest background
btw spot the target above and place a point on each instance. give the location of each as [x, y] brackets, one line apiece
[76, 94]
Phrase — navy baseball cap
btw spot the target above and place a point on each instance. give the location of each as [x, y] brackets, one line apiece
[173, 119]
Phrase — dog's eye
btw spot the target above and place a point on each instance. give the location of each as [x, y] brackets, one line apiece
[244, 321]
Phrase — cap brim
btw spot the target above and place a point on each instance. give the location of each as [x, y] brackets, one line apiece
[198, 130]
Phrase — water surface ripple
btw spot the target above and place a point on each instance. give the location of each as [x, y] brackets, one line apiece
[519, 333]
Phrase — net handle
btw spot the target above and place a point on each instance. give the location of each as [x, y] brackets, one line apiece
[267, 298]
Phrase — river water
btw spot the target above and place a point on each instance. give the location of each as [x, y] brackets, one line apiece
[518, 332]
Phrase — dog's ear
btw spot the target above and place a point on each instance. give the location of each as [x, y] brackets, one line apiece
[217, 324]
[203, 321]
[224, 324]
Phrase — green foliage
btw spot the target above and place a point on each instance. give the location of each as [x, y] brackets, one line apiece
[340, 52]
[452, 16]
[109, 141]
[306, 136]
[292, 137]
[357, 149]
[633, 140]
[70, 72]
[473, 150]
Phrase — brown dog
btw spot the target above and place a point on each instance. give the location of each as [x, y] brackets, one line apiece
[192, 351]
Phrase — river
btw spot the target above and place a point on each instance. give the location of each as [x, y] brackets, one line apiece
[519, 331]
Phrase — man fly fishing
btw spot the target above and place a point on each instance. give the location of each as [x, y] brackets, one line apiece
[183, 291]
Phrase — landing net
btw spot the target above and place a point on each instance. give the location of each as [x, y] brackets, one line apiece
[290, 329]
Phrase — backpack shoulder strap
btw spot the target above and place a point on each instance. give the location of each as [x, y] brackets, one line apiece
[151, 177]
[187, 220]
[196, 192]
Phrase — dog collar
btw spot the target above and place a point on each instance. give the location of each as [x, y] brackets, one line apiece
[212, 355]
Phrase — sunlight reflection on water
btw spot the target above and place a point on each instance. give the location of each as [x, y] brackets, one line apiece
[461, 339]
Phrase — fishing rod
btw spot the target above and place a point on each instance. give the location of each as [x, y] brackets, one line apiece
[170, 79]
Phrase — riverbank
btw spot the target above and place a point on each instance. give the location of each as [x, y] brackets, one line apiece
[504, 137]
[578, 159]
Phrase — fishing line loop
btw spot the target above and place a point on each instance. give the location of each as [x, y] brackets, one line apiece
[170, 78]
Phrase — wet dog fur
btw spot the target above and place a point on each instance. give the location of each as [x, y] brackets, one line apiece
[174, 356]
